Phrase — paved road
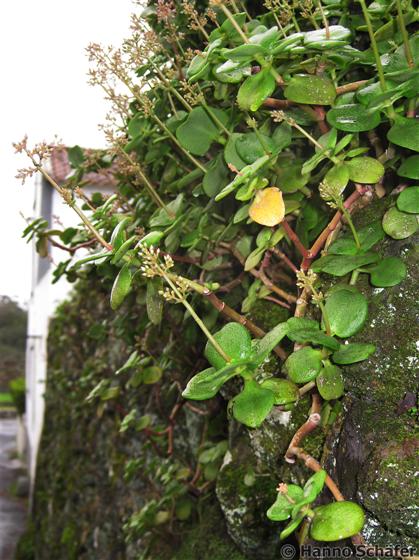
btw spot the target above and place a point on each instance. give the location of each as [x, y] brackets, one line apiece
[12, 510]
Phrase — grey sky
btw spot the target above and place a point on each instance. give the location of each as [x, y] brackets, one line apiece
[45, 93]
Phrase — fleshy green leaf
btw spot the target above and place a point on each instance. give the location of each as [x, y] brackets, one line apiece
[302, 323]
[151, 375]
[408, 200]
[245, 174]
[314, 486]
[337, 521]
[303, 365]
[264, 346]
[405, 133]
[230, 153]
[255, 89]
[121, 287]
[285, 391]
[292, 526]
[409, 168]
[353, 118]
[365, 169]
[154, 301]
[339, 265]
[352, 353]
[118, 235]
[243, 52]
[347, 311]
[368, 236]
[215, 177]
[330, 383]
[335, 36]
[310, 89]
[388, 272]
[337, 177]
[249, 146]
[281, 509]
[207, 383]
[317, 337]
[399, 225]
[253, 404]
[198, 131]
[234, 339]
[231, 72]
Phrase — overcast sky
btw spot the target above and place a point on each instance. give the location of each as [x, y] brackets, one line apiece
[45, 93]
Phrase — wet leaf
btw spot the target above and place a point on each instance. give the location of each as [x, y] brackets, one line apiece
[245, 175]
[231, 155]
[254, 258]
[121, 286]
[388, 272]
[399, 225]
[268, 207]
[314, 486]
[368, 236]
[303, 365]
[249, 146]
[119, 235]
[234, 339]
[337, 35]
[352, 353]
[292, 525]
[264, 346]
[216, 176]
[337, 521]
[409, 168]
[353, 118]
[310, 89]
[206, 384]
[408, 200]
[244, 52]
[151, 375]
[330, 383]
[198, 131]
[154, 301]
[285, 391]
[365, 169]
[337, 177]
[232, 72]
[281, 509]
[304, 335]
[253, 404]
[405, 133]
[339, 265]
[347, 310]
[255, 89]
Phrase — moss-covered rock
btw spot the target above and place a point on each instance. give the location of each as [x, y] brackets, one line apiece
[376, 449]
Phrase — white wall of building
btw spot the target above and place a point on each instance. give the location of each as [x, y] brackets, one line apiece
[44, 299]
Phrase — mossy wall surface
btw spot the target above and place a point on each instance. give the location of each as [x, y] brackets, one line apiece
[93, 480]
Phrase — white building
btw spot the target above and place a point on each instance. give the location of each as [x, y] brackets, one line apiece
[45, 296]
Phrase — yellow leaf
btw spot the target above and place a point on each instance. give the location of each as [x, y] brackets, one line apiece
[268, 208]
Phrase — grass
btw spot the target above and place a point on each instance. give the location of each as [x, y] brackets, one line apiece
[6, 400]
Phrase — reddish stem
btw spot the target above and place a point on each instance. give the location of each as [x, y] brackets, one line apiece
[284, 258]
[311, 463]
[277, 301]
[331, 226]
[229, 312]
[293, 237]
[321, 116]
[311, 424]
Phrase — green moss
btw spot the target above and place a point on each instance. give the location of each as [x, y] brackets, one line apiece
[208, 540]
[266, 315]
[25, 549]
